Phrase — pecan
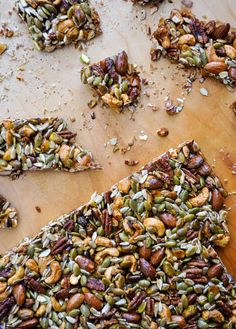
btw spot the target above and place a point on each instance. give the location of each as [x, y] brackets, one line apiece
[106, 222]
[35, 286]
[132, 317]
[192, 298]
[221, 31]
[69, 225]
[150, 306]
[224, 307]
[197, 263]
[147, 269]
[107, 196]
[202, 280]
[85, 263]
[217, 200]
[32, 323]
[5, 307]
[163, 165]
[121, 63]
[215, 271]
[137, 300]
[193, 272]
[59, 246]
[96, 284]
[62, 294]
[67, 134]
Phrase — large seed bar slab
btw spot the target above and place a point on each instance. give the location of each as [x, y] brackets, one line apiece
[56, 23]
[40, 143]
[137, 256]
[8, 216]
[185, 39]
[114, 80]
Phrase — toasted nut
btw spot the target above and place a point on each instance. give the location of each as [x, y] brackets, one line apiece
[190, 311]
[147, 269]
[195, 162]
[165, 313]
[132, 317]
[154, 225]
[3, 286]
[93, 301]
[163, 132]
[56, 273]
[74, 302]
[57, 306]
[63, 26]
[214, 315]
[32, 265]
[113, 252]
[40, 311]
[158, 256]
[130, 262]
[179, 320]
[187, 39]
[104, 242]
[25, 314]
[19, 294]
[124, 185]
[201, 198]
[145, 252]
[221, 31]
[212, 57]
[215, 271]
[168, 219]
[18, 276]
[217, 200]
[230, 51]
[32, 323]
[215, 67]
[85, 263]
[222, 240]
[43, 263]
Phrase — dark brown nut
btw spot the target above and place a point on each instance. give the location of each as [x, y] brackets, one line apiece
[93, 301]
[36, 286]
[32, 323]
[224, 308]
[145, 252]
[132, 317]
[74, 302]
[215, 67]
[121, 63]
[193, 272]
[217, 200]
[221, 31]
[19, 294]
[157, 257]
[150, 306]
[25, 314]
[137, 300]
[147, 269]
[215, 271]
[62, 294]
[96, 284]
[69, 225]
[179, 320]
[232, 73]
[197, 263]
[195, 162]
[205, 169]
[153, 182]
[59, 246]
[168, 219]
[85, 263]
[106, 222]
[5, 307]
[29, 302]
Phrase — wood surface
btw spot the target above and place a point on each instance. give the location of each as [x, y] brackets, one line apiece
[52, 87]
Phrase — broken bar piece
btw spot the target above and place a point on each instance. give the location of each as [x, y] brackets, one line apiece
[206, 45]
[8, 215]
[115, 81]
[40, 143]
[137, 256]
[56, 23]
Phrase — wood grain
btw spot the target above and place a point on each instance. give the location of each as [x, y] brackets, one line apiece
[52, 86]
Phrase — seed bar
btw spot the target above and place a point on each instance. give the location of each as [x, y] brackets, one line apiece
[56, 23]
[37, 144]
[137, 256]
[115, 81]
[143, 2]
[185, 39]
[8, 216]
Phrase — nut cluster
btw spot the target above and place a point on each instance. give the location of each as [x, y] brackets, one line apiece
[37, 144]
[114, 79]
[56, 23]
[137, 256]
[206, 45]
[8, 216]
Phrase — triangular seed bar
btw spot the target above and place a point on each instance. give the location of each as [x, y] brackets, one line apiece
[8, 216]
[115, 81]
[56, 23]
[137, 256]
[185, 39]
[39, 144]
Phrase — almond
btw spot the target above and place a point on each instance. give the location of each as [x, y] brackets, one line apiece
[145, 252]
[93, 301]
[217, 200]
[215, 67]
[19, 294]
[221, 31]
[147, 269]
[158, 256]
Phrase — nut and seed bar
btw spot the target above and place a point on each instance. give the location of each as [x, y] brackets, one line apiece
[115, 81]
[56, 23]
[185, 39]
[8, 216]
[40, 143]
[143, 2]
[137, 256]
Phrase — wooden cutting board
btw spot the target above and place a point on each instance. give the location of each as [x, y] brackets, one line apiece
[52, 87]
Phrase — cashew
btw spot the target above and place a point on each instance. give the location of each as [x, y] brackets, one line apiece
[40, 311]
[222, 240]
[113, 252]
[111, 271]
[230, 51]
[154, 225]
[201, 198]
[56, 273]
[212, 57]
[4, 295]
[102, 241]
[187, 39]
[32, 265]
[18, 276]
[117, 204]
[124, 185]
[214, 315]
[78, 242]
[3, 286]
[138, 231]
[4, 261]
[130, 262]
[57, 306]
[43, 263]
